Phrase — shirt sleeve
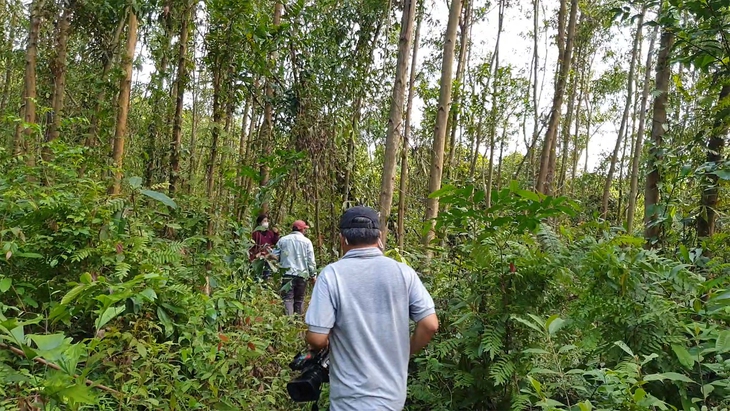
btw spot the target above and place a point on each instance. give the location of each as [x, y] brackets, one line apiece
[277, 251]
[420, 303]
[311, 263]
[320, 315]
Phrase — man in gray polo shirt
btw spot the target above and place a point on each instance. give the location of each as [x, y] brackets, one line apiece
[360, 307]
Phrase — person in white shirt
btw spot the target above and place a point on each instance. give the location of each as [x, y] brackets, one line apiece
[295, 253]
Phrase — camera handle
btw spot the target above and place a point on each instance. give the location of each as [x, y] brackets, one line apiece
[315, 405]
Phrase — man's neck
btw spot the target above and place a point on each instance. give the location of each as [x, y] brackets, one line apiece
[349, 248]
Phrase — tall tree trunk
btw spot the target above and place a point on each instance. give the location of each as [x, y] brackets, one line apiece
[439, 139]
[125, 89]
[110, 58]
[535, 106]
[624, 118]
[565, 133]
[180, 87]
[659, 122]
[8, 65]
[157, 99]
[403, 189]
[715, 146]
[193, 122]
[58, 69]
[460, 68]
[243, 143]
[473, 165]
[585, 74]
[395, 122]
[501, 156]
[216, 127]
[565, 44]
[494, 114]
[266, 142]
[638, 147]
[24, 137]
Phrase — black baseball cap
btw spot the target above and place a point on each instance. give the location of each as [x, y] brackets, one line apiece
[348, 218]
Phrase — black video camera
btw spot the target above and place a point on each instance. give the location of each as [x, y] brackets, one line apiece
[314, 367]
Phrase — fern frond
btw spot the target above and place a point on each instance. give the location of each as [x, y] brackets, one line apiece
[549, 240]
[492, 338]
[501, 371]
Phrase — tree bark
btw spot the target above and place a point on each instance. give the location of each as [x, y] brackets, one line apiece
[715, 146]
[8, 65]
[268, 113]
[439, 139]
[584, 94]
[403, 189]
[24, 136]
[565, 132]
[193, 123]
[494, 114]
[110, 58]
[181, 86]
[125, 89]
[58, 69]
[565, 45]
[395, 122]
[638, 147]
[460, 67]
[624, 118]
[659, 123]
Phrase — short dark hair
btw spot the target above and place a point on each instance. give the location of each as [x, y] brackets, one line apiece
[361, 236]
[260, 218]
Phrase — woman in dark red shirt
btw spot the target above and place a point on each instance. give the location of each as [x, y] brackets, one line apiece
[264, 239]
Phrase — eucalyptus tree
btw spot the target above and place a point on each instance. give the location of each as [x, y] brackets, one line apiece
[625, 117]
[24, 135]
[125, 89]
[444, 104]
[565, 41]
[658, 129]
[638, 146]
[187, 11]
[403, 188]
[395, 121]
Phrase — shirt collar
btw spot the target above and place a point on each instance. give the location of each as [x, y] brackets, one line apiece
[363, 252]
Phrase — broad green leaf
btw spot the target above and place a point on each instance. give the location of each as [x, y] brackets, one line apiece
[71, 295]
[567, 348]
[47, 342]
[528, 323]
[622, 345]
[5, 284]
[108, 315]
[149, 294]
[684, 356]
[585, 406]
[447, 189]
[707, 389]
[671, 376]
[723, 341]
[639, 395]
[536, 385]
[166, 321]
[71, 358]
[78, 393]
[723, 174]
[530, 195]
[554, 324]
[135, 182]
[163, 198]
